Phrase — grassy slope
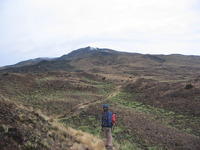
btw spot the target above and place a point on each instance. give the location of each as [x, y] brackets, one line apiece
[76, 100]
[21, 128]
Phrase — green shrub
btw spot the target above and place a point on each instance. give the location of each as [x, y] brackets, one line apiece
[31, 146]
[5, 128]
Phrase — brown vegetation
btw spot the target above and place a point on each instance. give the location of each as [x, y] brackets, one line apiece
[156, 99]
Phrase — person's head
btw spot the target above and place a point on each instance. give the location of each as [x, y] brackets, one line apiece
[105, 107]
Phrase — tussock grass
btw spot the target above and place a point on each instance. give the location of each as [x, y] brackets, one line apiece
[88, 140]
[85, 139]
[92, 142]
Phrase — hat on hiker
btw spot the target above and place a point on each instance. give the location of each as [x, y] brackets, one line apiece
[105, 106]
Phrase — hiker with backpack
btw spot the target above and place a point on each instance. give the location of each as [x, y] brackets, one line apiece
[107, 122]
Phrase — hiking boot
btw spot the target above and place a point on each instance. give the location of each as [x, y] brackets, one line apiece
[109, 148]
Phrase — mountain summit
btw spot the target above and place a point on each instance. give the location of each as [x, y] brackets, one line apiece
[103, 60]
[83, 52]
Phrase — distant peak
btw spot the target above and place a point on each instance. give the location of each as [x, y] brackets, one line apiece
[93, 48]
[89, 48]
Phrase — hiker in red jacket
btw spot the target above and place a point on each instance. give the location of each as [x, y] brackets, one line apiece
[106, 126]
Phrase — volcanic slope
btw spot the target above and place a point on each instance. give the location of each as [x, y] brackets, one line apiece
[96, 60]
[145, 120]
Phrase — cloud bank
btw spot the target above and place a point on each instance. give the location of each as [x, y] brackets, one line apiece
[51, 28]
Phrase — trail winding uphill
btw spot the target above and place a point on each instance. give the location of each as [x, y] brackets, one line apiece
[83, 106]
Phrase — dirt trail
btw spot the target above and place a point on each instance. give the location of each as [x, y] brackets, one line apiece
[78, 108]
[115, 92]
[91, 141]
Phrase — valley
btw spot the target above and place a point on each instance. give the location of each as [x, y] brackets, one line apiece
[57, 104]
[150, 115]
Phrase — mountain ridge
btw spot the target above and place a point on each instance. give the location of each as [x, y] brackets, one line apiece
[104, 60]
[155, 97]
[82, 51]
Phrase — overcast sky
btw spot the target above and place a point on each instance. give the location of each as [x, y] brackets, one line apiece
[51, 28]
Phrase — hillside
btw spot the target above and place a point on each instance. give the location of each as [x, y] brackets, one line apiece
[22, 128]
[95, 60]
[57, 103]
[151, 114]
[28, 62]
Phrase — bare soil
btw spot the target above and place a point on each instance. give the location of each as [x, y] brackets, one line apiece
[181, 96]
